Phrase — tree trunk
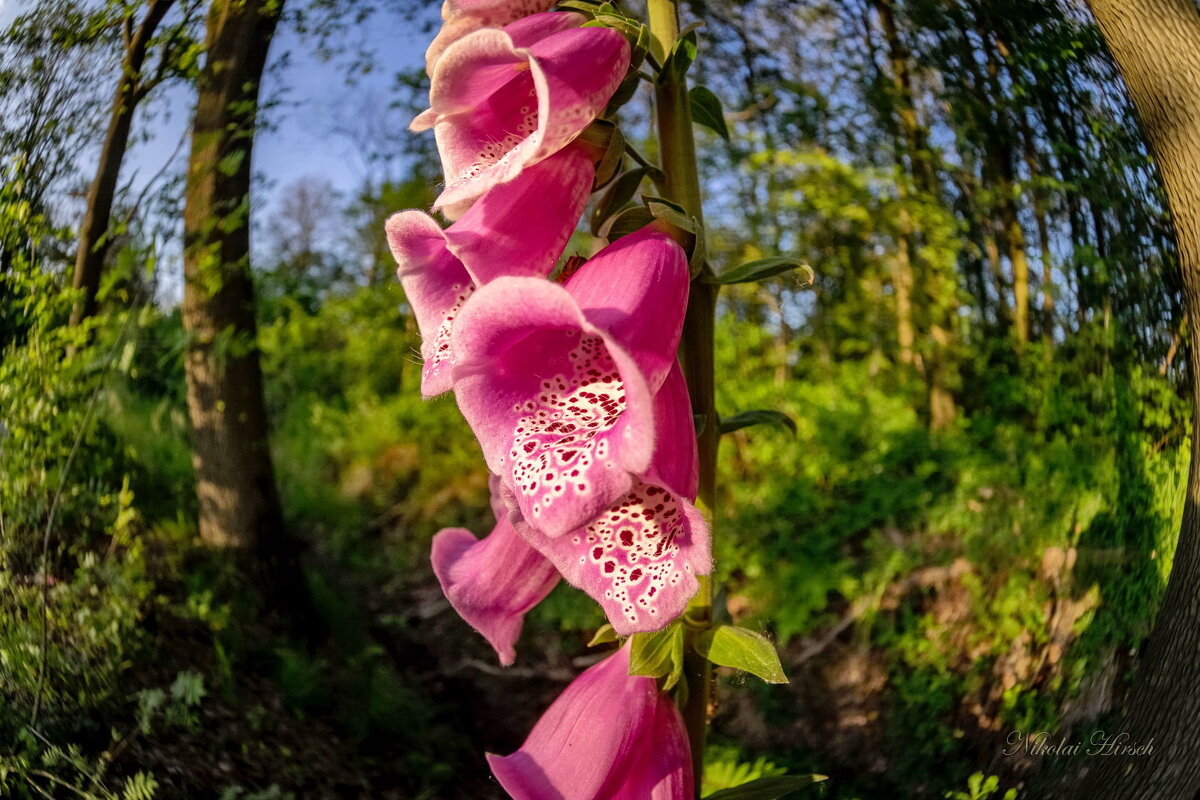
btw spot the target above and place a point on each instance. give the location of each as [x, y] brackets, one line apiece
[93, 234]
[1155, 44]
[1014, 237]
[235, 481]
[937, 288]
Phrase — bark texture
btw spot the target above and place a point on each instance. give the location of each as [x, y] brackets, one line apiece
[1156, 44]
[235, 481]
[94, 233]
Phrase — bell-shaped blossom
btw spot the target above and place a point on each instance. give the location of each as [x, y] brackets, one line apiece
[503, 99]
[558, 382]
[460, 17]
[492, 582]
[517, 228]
[609, 736]
[639, 558]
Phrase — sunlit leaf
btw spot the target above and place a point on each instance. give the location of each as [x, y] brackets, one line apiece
[604, 635]
[767, 788]
[762, 416]
[762, 269]
[658, 654]
[739, 648]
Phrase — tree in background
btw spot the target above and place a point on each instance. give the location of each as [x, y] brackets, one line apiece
[175, 56]
[235, 480]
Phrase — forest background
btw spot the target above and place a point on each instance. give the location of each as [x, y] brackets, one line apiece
[966, 534]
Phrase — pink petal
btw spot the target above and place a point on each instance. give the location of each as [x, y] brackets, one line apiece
[521, 227]
[464, 16]
[492, 582]
[640, 569]
[663, 770]
[640, 557]
[636, 289]
[676, 462]
[502, 100]
[517, 228]
[494, 12]
[436, 285]
[562, 413]
[589, 737]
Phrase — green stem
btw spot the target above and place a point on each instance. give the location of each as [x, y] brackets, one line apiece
[678, 157]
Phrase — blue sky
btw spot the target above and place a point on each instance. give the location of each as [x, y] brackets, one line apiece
[314, 97]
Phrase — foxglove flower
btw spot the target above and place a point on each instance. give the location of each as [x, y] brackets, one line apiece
[492, 582]
[558, 382]
[640, 557]
[608, 736]
[517, 228]
[503, 99]
[460, 17]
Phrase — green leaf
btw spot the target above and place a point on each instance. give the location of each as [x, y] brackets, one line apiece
[658, 654]
[610, 163]
[626, 222]
[618, 194]
[730, 646]
[683, 53]
[762, 416]
[627, 88]
[634, 31]
[604, 635]
[586, 6]
[672, 213]
[767, 788]
[762, 269]
[231, 162]
[707, 111]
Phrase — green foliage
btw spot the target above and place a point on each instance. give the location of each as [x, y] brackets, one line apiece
[707, 111]
[761, 269]
[659, 654]
[739, 648]
[1038, 531]
[746, 419]
[724, 769]
[981, 788]
[357, 449]
[769, 788]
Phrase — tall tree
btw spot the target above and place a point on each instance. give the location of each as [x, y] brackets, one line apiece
[235, 480]
[1154, 43]
[132, 87]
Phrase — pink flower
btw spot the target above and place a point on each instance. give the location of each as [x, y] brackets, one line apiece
[503, 99]
[558, 382]
[639, 558]
[492, 582]
[608, 736]
[517, 228]
[461, 17]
